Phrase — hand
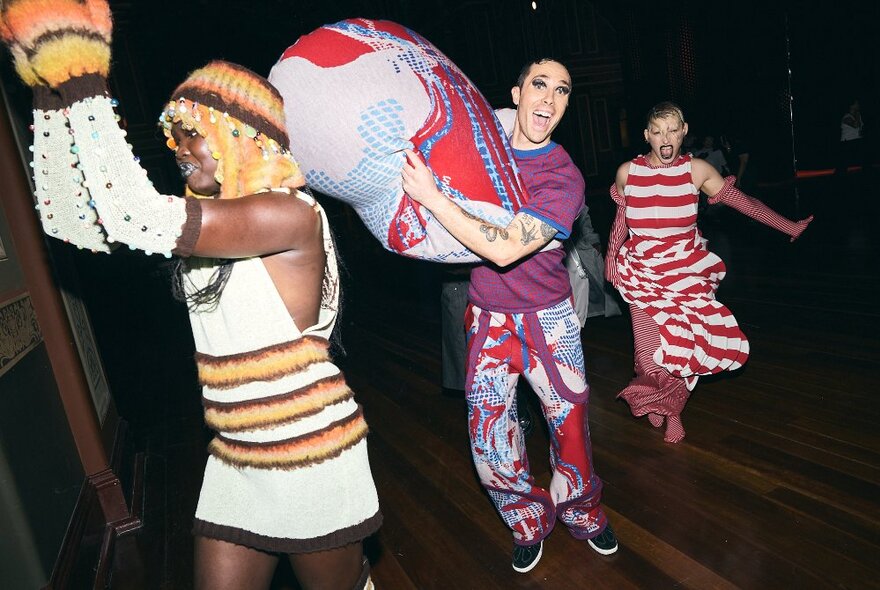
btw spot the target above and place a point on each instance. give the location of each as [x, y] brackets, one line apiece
[418, 180]
[612, 274]
[45, 32]
[801, 226]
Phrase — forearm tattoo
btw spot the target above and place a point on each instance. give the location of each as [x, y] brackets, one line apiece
[530, 227]
[492, 232]
[528, 230]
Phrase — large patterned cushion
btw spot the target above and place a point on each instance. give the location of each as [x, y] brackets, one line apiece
[358, 92]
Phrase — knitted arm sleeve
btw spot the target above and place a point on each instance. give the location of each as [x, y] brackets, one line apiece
[65, 45]
[129, 208]
[616, 238]
[735, 198]
[63, 203]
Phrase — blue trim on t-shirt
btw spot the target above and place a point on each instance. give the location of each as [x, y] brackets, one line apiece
[533, 153]
[562, 233]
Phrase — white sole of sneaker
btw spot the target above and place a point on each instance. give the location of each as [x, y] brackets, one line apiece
[601, 551]
[532, 565]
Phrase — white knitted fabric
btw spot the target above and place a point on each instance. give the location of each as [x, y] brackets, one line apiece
[283, 505]
[62, 201]
[130, 209]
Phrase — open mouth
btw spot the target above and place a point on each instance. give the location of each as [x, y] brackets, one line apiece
[666, 152]
[187, 168]
[541, 119]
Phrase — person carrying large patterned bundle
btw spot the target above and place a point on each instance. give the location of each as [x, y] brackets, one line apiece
[659, 262]
[288, 471]
[359, 92]
[521, 323]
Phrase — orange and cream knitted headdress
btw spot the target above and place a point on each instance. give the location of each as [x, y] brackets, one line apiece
[241, 116]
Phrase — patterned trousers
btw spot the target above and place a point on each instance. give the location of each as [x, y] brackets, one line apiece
[545, 348]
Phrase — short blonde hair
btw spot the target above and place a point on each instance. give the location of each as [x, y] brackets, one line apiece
[662, 110]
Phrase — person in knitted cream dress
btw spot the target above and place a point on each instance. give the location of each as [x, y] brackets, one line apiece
[659, 262]
[288, 472]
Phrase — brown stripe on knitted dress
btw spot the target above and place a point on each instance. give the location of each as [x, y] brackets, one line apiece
[302, 451]
[264, 364]
[277, 409]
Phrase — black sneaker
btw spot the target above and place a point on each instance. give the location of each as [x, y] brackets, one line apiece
[526, 558]
[605, 543]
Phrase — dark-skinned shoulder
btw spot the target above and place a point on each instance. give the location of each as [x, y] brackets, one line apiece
[256, 225]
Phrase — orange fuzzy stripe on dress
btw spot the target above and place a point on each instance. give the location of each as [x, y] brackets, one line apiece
[264, 364]
[302, 451]
[278, 409]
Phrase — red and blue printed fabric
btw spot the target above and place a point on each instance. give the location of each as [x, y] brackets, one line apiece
[356, 94]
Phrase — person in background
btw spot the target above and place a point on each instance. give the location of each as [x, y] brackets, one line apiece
[712, 154]
[660, 263]
[851, 150]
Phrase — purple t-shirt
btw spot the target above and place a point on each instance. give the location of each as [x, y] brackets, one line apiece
[556, 197]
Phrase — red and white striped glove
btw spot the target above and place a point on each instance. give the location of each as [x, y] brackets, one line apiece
[735, 198]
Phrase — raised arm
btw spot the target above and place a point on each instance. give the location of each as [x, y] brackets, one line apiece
[501, 245]
[723, 190]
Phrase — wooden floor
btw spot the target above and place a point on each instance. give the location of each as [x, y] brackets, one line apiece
[777, 484]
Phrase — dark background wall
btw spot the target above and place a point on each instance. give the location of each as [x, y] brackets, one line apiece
[777, 74]
[727, 63]
[770, 71]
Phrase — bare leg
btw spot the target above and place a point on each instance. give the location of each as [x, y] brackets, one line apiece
[226, 566]
[335, 569]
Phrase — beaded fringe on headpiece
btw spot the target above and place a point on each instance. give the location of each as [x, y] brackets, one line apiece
[241, 116]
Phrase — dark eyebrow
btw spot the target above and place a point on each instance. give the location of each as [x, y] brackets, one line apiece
[546, 79]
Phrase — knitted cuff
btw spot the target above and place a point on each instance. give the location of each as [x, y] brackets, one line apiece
[82, 87]
[191, 228]
[46, 99]
[62, 201]
[129, 207]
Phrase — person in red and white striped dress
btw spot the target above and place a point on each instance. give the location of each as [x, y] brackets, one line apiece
[659, 262]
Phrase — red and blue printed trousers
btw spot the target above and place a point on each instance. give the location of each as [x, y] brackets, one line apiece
[545, 348]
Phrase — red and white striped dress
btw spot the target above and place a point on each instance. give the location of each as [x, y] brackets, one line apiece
[667, 272]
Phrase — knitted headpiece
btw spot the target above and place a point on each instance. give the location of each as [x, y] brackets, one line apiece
[241, 116]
